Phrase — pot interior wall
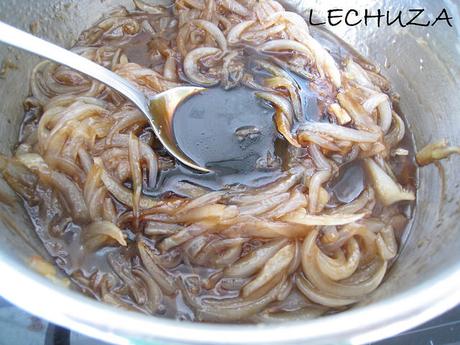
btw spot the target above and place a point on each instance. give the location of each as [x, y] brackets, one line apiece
[422, 63]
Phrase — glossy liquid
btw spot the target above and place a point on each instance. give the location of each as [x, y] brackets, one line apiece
[232, 133]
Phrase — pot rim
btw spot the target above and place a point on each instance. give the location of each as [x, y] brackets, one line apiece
[376, 321]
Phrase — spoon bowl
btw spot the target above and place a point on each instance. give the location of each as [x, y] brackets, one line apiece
[162, 108]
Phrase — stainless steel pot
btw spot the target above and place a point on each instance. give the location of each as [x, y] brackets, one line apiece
[423, 64]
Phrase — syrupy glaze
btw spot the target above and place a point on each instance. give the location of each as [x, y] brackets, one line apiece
[232, 132]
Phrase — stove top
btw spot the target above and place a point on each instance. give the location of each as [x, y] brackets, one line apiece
[17, 327]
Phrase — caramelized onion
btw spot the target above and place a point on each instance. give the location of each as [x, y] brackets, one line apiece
[321, 298]
[301, 217]
[236, 7]
[124, 195]
[296, 200]
[388, 191]
[185, 248]
[214, 31]
[164, 280]
[340, 132]
[289, 45]
[273, 267]
[233, 37]
[136, 174]
[436, 151]
[248, 226]
[340, 289]
[106, 229]
[229, 309]
[143, 6]
[249, 264]
[192, 61]
[264, 205]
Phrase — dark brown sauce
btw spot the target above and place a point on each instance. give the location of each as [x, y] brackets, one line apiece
[231, 132]
[349, 184]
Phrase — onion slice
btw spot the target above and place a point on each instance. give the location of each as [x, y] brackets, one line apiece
[124, 195]
[340, 132]
[273, 267]
[106, 229]
[387, 190]
[285, 44]
[316, 220]
[192, 61]
[250, 263]
[233, 36]
[435, 151]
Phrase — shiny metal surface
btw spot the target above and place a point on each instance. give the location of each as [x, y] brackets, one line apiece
[423, 64]
[159, 109]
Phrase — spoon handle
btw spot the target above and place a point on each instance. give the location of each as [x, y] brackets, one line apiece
[33, 44]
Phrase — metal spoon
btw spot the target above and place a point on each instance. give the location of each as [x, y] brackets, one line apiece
[158, 109]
